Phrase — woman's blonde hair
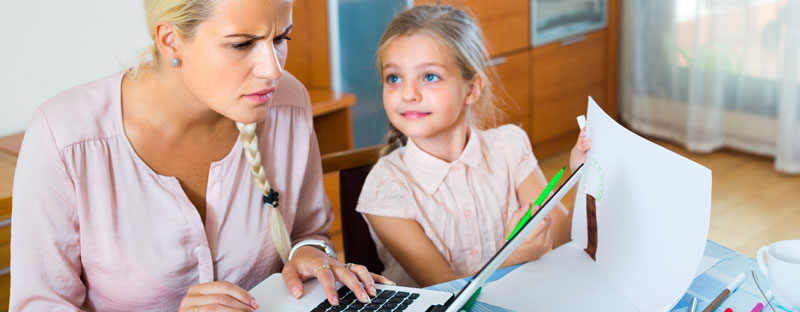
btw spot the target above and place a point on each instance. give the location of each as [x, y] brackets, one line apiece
[459, 34]
[185, 16]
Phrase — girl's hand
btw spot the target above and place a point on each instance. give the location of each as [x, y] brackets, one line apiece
[217, 296]
[309, 262]
[538, 242]
[578, 154]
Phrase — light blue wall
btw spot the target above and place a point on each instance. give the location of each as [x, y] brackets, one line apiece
[361, 24]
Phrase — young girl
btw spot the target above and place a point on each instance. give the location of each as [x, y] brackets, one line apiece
[448, 193]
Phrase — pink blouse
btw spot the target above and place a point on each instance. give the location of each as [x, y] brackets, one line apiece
[463, 206]
[95, 228]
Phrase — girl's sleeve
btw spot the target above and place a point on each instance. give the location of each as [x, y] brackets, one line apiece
[45, 239]
[519, 154]
[385, 194]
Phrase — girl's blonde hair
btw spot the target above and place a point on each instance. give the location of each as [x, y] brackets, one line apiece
[459, 33]
[185, 16]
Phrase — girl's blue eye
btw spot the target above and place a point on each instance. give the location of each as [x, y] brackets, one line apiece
[393, 79]
[431, 77]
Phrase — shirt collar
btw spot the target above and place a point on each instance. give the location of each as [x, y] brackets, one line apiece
[429, 171]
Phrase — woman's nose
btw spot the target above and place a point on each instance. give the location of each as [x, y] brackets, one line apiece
[267, 64]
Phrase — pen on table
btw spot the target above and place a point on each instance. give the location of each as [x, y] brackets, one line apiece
[538, 202]
[692, 305]
[725, 292]
[759, 306]
[471, 300]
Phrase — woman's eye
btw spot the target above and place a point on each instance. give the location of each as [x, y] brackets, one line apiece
[431, 77]
[280, 39]
[392, 79]
[242, 46]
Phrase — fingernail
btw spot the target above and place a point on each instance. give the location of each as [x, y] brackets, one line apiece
[253, 303]
[333, 300]
[296, 291]
[372, 291]
[392, 283]
[363, 297]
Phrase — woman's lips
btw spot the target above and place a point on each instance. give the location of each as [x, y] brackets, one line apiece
[262, 96]
[414, 114]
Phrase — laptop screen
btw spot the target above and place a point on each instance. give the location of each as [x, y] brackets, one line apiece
[488, 269]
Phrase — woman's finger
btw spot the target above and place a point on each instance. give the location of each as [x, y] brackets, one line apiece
[219, 302]
[224, 288]
[380, 279]
[292, 280]
[366, 278]
[349, 279]
[328, 282]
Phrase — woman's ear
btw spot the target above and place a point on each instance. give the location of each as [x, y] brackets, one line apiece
[474, 89]
[166, 41]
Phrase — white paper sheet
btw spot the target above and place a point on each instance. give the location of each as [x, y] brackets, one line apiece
[566, 279]
[653, 210]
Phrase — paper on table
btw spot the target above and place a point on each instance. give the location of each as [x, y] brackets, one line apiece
[705, 264]
[652, 213]
[566, 279]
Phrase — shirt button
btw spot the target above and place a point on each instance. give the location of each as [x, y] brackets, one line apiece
[456, 167]
[474, 251]
[468, 213]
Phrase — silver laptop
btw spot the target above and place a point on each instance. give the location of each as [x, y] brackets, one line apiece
[272, 295]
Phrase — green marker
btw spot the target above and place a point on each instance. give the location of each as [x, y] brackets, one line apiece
[538, 202]
[468, 306]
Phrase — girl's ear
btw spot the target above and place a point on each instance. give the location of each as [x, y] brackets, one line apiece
[166, 41]
[474, 88]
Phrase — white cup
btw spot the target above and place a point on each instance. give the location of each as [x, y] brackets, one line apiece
[783, 271]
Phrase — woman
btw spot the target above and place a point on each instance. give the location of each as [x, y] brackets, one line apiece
[134, 192]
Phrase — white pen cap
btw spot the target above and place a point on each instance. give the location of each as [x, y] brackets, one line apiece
[738, 281]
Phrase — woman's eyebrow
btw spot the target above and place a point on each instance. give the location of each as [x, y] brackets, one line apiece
[255, 37]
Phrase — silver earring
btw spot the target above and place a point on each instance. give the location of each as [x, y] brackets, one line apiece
[175, 62]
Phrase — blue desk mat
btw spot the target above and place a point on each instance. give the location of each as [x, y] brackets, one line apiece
[705, 287]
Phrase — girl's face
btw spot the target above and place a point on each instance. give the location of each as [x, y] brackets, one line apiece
[424, 93]
[236, 57]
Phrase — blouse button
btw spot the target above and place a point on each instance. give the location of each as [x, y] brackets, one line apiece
[456, 167]
[468, 213]
[474, 251]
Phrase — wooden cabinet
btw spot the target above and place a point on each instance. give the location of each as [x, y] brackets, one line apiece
[513, 93]
[7, 166]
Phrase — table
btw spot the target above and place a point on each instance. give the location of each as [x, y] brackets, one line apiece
[705, 287]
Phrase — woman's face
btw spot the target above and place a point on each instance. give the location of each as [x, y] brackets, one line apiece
[237, 55]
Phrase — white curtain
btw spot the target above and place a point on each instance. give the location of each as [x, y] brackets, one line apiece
[715, 73]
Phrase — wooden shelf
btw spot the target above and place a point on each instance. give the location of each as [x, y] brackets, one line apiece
[10, 144]
[326, 101]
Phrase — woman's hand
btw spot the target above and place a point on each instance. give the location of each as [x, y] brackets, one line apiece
[309, 262]
[538, 242]
[217, 296]
[578, 154]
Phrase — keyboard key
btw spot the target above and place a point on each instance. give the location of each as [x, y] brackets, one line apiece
[335, 308]
[389, 305]
[324, 305]
[408, 301]
[402, 294]
[386, 294]
[344, 291]
[401, 307]
[396, 300]
[384, 310]
[356, 305]
[372, 307]
[414, 296]
[378, 300]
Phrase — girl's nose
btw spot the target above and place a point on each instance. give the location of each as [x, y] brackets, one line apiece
[410, 92]
[267, 64]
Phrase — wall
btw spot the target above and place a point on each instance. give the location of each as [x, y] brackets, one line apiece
[49, 46]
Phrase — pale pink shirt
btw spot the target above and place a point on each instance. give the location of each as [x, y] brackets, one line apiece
[95, 228]
[463, 206]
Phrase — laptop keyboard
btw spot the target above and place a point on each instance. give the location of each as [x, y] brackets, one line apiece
[385, 301]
